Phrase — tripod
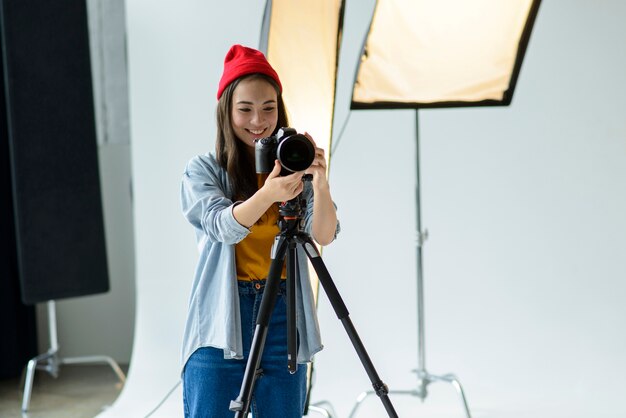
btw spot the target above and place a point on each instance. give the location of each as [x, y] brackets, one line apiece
[285, 244]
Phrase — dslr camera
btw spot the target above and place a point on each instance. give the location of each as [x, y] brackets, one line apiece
[294, 152]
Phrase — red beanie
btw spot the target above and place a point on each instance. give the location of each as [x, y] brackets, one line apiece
[240, 61]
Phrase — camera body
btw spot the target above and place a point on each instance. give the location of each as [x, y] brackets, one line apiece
[294, 151]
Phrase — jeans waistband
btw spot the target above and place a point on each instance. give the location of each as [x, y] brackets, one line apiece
[253, 287]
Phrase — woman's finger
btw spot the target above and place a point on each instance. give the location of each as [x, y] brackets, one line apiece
[310, 138]
[294, 177]
[275, 171]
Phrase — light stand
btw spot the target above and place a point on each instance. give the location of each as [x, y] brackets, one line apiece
[423, 377]
[51, 362]
[421, 54]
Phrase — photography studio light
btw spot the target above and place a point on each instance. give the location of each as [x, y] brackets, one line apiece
[433, 54]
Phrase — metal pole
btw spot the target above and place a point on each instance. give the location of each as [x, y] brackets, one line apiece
[421, 237]
[52, 326]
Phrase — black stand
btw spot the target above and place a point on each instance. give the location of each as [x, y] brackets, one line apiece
[286, 244]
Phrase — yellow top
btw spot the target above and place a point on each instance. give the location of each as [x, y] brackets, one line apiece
[252, 254]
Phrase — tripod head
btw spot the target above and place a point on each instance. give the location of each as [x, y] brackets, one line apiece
[292, 210]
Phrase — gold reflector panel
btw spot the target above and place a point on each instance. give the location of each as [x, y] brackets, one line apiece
[303, 46]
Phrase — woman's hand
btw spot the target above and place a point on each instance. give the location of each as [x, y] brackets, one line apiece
[282, 188]
[324, 214]
[276, 188]
[318, 166]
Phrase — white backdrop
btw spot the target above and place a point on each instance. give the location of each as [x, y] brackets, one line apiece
[524, 267]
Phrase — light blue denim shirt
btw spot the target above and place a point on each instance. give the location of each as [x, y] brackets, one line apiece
[213, 317]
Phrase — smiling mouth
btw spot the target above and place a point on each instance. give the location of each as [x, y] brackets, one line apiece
[256, 131]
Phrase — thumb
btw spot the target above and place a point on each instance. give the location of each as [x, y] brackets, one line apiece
[276, 170]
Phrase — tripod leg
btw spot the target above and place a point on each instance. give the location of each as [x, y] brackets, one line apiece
[292, 344]
[241, 405]
[344, 316]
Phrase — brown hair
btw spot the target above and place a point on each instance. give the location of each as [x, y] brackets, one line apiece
[231, 153]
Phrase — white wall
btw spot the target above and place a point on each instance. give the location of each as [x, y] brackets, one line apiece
[525, 208]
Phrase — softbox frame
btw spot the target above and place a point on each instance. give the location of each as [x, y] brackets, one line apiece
[428, 54]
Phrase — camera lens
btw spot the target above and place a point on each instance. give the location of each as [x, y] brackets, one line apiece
[295, 153]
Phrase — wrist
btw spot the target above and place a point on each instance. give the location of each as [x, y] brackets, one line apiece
[263, 197]
[320, 186]
[322, 194]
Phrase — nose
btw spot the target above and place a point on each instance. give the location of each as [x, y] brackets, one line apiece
[257, 118]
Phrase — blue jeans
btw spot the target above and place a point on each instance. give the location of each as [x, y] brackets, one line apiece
[210, 382]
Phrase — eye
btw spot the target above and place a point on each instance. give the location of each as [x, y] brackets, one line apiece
[269, 108]
[244, 109]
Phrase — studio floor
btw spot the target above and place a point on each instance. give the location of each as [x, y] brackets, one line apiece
[80, 391]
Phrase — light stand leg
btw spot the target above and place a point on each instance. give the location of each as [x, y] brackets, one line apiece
[96, 360]
[50, 361]
[37, 363]
[423, 377]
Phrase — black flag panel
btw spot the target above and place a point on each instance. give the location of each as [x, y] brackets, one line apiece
[57, 204]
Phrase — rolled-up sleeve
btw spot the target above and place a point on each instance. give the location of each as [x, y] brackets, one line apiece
[206, 206]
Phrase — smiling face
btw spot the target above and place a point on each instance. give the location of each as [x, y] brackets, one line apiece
[254, 110]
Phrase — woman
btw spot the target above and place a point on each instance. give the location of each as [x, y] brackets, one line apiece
[234, 213]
